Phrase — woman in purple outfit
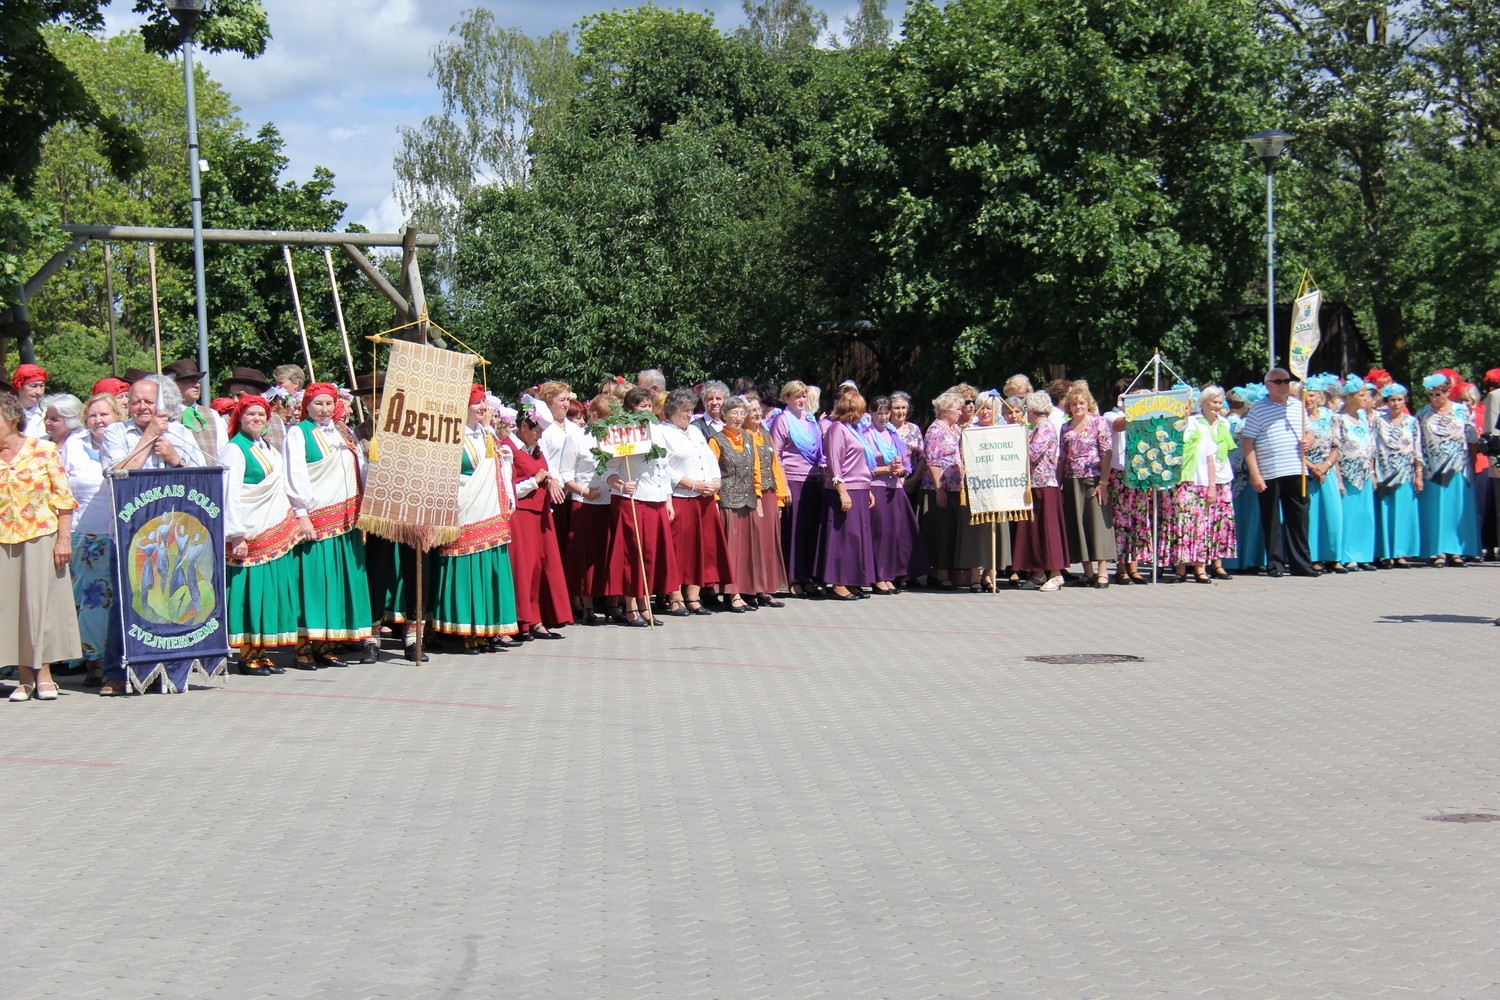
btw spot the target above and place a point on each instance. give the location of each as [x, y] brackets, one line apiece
[1041, 546]
[799, 445]
[846, 559]
[899, 552]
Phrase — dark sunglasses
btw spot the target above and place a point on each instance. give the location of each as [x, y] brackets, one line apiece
[1278, 381]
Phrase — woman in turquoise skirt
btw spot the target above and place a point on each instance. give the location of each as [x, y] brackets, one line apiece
[1249, 538]
[1325, 511]
[1450, 525]
[1356, 441]
[1398, 481]
[260, 575]
[323, 473]
[476, 596]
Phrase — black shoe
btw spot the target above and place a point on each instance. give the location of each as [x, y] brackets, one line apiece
[1370, 567]
[701, 610]
[737, 609]
[1274, 572]
[302, 664]
[770, 602]
[371, 653]
[544, 635]
[329, 660]
[832, 596]
[639, 621]
[679, 610]
[411, 653]
[1340, 569]
[275, 669]
[254, 671]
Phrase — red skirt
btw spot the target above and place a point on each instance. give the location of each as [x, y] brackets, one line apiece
[1041, 544]
[588, 543]
[698, 537]
[630, 546]
[541, 587]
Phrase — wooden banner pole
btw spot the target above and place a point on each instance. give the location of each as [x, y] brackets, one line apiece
[338, 310]
[291, 275]
[421, 609]
[109, 311]
[155, 305]
[640, 554]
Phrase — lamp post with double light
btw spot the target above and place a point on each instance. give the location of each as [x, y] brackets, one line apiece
[187, 13]
[1268, 146]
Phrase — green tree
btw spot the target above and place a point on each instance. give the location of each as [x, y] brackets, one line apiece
[38, 90]
[868, 28]
[497, 86]
[1042, 182]
[656, 227]
[782, 26]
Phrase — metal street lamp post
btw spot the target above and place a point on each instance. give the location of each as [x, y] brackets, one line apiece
[187, 13]
[1269, 145]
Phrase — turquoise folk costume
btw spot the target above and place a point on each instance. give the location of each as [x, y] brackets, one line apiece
[1398, 466]
[1356, 442]
[261, 587]
[1450, 524]
[476, 595]
[323, 471]
[1325, 504]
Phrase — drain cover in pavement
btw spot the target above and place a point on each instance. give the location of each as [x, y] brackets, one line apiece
[1466, 818]
[1086, 658]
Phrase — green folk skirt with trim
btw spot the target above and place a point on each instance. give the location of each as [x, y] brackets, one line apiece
[263, 602]
[476, 594]
[332, 593]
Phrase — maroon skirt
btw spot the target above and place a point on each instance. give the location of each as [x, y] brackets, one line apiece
[588, 543]
[1041, 544]
[847, 556]
[541, 587]
[770, 563]
[698, 537]
[630, 546]
[754, 538]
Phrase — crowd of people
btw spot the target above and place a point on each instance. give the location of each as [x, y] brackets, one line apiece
[747, 495]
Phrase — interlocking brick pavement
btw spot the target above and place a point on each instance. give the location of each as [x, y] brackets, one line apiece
[878, 799]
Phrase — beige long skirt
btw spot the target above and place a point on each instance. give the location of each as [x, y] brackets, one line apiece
[38, 623]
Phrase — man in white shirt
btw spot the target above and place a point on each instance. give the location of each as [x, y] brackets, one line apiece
[152, 438]
[1274, 440]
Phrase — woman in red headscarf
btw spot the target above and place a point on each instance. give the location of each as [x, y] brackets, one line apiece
[476, 598]
[324, 467]
[260, 578]
[541, 587]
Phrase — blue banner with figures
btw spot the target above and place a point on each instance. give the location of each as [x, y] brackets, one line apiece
[169, 530]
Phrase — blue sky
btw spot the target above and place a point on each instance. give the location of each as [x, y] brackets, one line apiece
[340, 76]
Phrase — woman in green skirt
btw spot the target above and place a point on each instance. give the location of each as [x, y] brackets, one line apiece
[476, 596]
[323, 474]
[259, 535]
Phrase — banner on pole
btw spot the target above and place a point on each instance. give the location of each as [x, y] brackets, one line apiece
[1306, 333]
[996, 473]
[169, 528]
[411, 481]
[622, 440]
[1155, 428]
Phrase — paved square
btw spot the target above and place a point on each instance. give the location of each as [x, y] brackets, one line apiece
[877, 799]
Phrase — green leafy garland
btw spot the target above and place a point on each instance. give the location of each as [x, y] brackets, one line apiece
[618, 418]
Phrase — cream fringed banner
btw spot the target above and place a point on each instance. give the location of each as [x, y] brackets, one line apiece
[411, 481]
[997, 473]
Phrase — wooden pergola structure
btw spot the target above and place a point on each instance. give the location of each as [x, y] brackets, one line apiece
[408, 297]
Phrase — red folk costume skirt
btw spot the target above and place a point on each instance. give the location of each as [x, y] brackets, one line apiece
[698, 537]
[588, 545]
[536, 563]
[1041, 544]
[630, 546]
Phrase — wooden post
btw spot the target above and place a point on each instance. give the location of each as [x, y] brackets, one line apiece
[421, 621]
[338, 310]
[109, 311]
[291, 275]
[155, 307]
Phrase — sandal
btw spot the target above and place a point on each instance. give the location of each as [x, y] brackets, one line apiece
[1219, 573]
[108, 690]
[1202, 578]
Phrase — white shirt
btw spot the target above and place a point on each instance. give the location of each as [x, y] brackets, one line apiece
[1117, 453]
[34, 422]
[653, 480]
[688, 457]
[234, 512]
[120, 440]
[294, 450]
[581, 465]
[85, 471]
[1058, 418]
[552, 442]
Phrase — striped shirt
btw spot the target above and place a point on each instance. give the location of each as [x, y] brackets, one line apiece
[1276, 429]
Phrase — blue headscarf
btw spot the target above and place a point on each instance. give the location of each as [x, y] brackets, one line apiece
[1353, 384]
[1394, 389]
[1434, 381]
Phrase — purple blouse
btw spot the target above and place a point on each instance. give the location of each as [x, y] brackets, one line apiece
[797, 468]
[1083, 448]
[1043, 452]
[845, 454]
[943, 448]
[894, 442]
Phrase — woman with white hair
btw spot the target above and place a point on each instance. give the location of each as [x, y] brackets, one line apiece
[62, 417]
[943, 519]
[1041, 544]
[1203, 535]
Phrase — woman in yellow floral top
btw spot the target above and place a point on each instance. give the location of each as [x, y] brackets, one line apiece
[38, 624]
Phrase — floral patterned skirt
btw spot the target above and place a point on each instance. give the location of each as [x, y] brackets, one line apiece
[1131, 510]
[1202, 527]
[92, 566]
